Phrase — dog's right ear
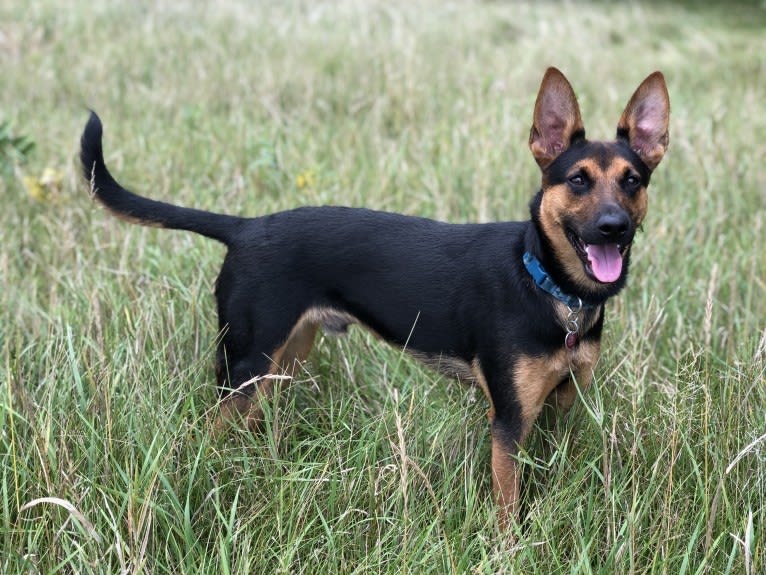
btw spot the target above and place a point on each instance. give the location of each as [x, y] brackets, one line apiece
[556, 118]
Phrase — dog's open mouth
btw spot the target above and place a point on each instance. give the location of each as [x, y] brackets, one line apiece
[603, 262]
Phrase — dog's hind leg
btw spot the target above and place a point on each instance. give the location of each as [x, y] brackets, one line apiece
[288, 357]
[247, 373]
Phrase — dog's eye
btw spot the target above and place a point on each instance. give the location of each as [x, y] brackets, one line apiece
[578, 181]
[633, 181]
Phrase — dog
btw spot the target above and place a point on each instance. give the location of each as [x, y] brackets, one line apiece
[516, 308]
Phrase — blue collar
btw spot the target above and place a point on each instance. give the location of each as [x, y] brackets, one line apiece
[544, 282]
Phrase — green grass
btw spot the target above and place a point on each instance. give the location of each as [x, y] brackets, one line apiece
[370, 463]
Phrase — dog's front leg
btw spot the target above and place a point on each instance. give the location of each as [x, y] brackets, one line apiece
[509, 426]
[505, 472]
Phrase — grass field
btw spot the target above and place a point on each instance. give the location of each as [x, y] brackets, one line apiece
[370, 463]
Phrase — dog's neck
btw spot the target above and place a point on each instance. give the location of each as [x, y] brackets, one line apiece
[544, 281]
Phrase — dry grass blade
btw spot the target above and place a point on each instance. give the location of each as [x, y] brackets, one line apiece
[73, 511]
[747, 449]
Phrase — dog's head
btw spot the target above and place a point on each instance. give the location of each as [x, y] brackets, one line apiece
[594, 194]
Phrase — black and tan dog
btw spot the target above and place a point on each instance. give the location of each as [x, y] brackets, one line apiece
[516, 307]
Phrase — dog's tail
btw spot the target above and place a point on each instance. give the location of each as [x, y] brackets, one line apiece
[137, 209]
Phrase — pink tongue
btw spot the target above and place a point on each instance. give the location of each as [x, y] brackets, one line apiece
[605, 261]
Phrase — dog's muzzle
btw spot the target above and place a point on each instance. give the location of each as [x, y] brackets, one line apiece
[603, 243]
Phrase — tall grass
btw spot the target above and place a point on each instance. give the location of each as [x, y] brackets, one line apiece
[369, 463]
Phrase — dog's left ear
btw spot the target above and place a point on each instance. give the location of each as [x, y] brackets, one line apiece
[644, 123]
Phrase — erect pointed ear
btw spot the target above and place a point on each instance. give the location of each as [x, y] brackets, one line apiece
[556, 118]
[644, 123]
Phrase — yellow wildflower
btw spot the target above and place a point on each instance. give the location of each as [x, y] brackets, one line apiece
[45, 188]
[34, 188]
[305, 179]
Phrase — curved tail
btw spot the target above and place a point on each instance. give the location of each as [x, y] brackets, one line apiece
[137, 209]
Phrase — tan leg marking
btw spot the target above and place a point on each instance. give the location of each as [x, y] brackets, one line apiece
[287, 358]
[238, 409]
[505, 475]
[285, 361]
[565, 394]
[481, 381]
[536, 377]
[505, 483]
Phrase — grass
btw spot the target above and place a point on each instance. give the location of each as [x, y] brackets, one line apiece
[370, 463]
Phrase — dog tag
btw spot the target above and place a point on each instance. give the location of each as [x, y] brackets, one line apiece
[570, 340]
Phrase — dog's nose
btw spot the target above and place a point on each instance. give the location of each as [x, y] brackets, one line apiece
[613, 225]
